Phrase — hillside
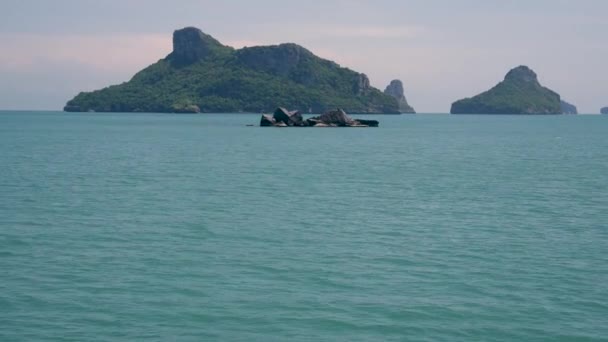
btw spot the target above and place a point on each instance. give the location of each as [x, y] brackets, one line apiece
[202, 75]
[519, 93]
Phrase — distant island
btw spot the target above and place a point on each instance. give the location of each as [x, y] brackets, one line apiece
[202, 75]
[395, 89]
[519, 93]
[604, 110]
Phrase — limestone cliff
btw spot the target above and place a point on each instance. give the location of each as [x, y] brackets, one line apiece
[395, 89]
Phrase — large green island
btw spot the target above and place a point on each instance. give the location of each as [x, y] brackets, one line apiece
[519, 93]
[202, 75]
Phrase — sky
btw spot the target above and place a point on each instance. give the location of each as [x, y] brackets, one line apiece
[442, 50]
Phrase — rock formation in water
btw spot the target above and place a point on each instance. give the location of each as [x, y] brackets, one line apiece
[568, 108]
[334, 118]
[604, 110]
[395, 89]
[519, 93]
[202, 75]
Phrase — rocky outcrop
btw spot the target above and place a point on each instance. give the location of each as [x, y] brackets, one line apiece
[395, 89]
[279, 60]
[361, 85]
[519, 93]
[191, 45]
[568, 108]
[604, 110]
[282, 118]
[334, 118]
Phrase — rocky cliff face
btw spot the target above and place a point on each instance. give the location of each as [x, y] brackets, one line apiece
[361, 85]
[519, 93]
[604, 110]
[568, 108]
[275, 59]
[395, 89]
[191, 45]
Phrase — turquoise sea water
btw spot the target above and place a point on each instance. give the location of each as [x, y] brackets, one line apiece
[125, 227]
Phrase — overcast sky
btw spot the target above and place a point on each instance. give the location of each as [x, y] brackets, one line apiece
[442, 50]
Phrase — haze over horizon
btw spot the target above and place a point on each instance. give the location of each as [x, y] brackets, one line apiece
[442, 50]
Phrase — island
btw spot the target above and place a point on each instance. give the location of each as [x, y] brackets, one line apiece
[333, 118]
[395, 89]
[519, 93]
[203, 75]
[604, 110]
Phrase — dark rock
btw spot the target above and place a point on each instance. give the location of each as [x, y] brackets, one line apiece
[267, 121]
[369, 123]
[604, 110]
[293, 118]
[335, 118]
[395, 89]
[313, 121]
[568, 108]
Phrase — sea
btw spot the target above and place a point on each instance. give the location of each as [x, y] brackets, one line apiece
[161, 227]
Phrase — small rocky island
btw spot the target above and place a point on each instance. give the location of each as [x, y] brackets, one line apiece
[604, 110]
[395, 89]
[519, 93]
[334, 118]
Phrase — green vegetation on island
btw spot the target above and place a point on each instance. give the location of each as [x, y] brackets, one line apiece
[519, 93]
[604, 110]
[202, 75]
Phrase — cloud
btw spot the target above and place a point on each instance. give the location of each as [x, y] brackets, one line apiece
[376, 32]
[108, 52]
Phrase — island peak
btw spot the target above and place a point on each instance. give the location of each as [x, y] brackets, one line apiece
[190, 45]
[522, 73]
[519, 93]
[395, 89]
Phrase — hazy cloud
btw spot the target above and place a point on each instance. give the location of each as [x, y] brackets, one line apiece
[107, 52]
